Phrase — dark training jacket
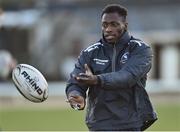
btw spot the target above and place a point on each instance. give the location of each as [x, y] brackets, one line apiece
[119, 101]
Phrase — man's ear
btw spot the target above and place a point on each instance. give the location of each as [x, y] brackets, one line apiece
[126, 26]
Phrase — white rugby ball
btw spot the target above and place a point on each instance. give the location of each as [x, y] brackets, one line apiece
[30, 83]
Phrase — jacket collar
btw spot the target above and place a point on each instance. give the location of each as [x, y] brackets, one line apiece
[121, 43]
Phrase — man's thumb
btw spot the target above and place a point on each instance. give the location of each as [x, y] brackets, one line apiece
[88, 70]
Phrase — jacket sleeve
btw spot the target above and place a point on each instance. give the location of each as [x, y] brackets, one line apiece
[135, 68]
[72, 85]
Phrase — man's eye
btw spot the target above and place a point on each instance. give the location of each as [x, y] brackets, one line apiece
[114, 24]
[104, 25]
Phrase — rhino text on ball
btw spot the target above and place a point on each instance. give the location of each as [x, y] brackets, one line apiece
[32, 82]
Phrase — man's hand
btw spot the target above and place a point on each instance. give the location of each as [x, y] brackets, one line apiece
[87, 78]
[77, 102]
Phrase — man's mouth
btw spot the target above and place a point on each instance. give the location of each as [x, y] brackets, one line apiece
[110, 37]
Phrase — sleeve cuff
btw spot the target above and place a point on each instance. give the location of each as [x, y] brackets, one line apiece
[100, 80]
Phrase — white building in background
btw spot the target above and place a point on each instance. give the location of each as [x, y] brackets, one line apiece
[165, 72]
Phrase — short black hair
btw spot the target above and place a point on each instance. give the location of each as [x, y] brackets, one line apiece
[115, 8]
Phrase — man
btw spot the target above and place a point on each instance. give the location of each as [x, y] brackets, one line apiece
[7, 64]
[7, 60]
[114, 72]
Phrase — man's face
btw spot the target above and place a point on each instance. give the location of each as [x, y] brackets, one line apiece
[113, 26]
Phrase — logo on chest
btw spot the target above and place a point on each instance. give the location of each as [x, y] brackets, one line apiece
[124, 57]
[100, 61]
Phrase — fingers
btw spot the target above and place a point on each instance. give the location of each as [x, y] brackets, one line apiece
[76, 106]
[74, 97]
[76, 102]
[85, 78]
[82, 77]
[87, 69]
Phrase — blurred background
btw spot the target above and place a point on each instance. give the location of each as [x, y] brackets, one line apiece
[49, 34]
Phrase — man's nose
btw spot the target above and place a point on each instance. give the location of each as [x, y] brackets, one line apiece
[109, 29]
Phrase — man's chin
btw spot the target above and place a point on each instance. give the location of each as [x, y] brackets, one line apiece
[110, 41]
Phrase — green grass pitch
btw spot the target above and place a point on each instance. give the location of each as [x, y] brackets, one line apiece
[68, 119]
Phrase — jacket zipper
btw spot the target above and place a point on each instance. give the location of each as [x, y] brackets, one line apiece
[114, 58]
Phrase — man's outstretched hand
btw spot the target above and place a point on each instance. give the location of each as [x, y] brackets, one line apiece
[77, 102]
[87, 78]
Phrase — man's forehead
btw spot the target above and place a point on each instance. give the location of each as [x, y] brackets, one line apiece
[109, 17]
